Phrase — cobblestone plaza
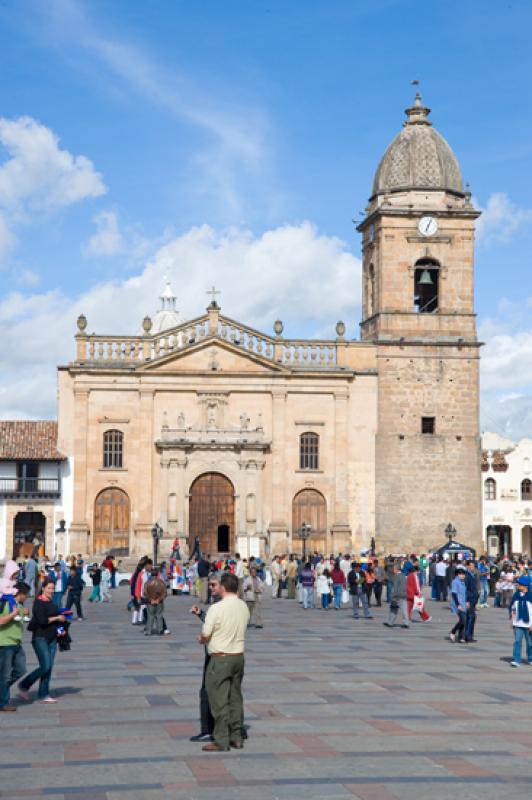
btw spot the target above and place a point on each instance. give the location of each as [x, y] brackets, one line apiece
[337, 708]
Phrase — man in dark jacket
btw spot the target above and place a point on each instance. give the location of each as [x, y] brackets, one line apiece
[471, 581]
[75, 586]
[204, 568]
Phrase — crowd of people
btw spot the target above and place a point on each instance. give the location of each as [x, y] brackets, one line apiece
[230, 592]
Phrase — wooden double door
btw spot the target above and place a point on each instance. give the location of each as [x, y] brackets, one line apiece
[111, 522]
[212, 513]
[309, 508]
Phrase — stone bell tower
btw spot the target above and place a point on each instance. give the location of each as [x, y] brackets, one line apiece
[418, 258]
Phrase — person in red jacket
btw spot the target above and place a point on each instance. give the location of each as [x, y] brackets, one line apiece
[338, 579]
[413, 590]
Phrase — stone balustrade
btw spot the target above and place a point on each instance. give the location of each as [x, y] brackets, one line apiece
[93, 349]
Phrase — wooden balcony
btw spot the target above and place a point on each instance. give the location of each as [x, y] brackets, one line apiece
[30, 488]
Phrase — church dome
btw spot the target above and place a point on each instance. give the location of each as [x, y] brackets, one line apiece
[418, 158]
[168, 316]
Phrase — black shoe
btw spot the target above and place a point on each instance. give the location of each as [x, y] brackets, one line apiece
[388, 624]
[259, 626]
[244, 733]
[201, 737]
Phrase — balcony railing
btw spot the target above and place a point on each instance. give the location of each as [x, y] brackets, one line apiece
[30, 487]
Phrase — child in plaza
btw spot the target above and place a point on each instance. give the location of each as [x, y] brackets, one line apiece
[96, 577]
[8, 582]
[105, 584]
[521, 615]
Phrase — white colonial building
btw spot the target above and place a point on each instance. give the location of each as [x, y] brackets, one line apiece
[35, 490]
[507, 495]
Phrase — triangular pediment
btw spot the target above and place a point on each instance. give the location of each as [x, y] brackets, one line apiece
[213, 356]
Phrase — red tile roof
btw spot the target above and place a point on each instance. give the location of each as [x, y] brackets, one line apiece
[25, 439]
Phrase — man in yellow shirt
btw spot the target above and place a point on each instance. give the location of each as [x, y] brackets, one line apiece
[291, 575]
[224, 633]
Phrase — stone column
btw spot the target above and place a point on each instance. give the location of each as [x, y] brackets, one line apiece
[279, 525]
[144, 511]
[82, 513]
[340, 529]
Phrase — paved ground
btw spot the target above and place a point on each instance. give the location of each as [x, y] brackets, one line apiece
[338, 708]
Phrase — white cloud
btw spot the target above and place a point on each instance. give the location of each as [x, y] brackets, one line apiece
[108, 240]
[506, 370]
[501, 219]
[39, 175]
[507, 361]
[510, 416]
[291, 272]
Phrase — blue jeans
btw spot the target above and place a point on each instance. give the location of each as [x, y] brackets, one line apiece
[337, 589]
[470, 619]
[357, 599]
[519, 635]
[12, 667]
[308, 597]
[58, 599]
[45, 652]
[389, 586]
[484, 593]
[434, 589]
[325, 598]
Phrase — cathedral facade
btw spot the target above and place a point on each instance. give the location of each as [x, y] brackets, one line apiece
[258, 443]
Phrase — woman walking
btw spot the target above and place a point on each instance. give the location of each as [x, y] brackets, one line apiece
[338, 580]
[43, 626]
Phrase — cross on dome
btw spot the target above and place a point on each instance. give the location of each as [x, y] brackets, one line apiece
[213, 292]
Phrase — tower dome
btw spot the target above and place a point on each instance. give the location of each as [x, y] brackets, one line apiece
[418, 158]
[168, 316]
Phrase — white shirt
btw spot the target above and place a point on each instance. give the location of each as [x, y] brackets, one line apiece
[518, 623]
[441, 569]
[239, 569]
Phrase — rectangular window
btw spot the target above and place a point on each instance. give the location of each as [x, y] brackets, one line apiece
[27, 474]
[113, 442]
[309, 444]
[428, 424]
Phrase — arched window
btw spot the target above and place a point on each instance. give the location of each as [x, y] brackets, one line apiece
[370, 291]
[309, 451]
[526, 489]
[113, 449]
[490, 489]
[426, 286]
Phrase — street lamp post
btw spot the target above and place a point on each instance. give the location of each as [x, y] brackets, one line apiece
[304, 533]
[156, 533]
[450, 530]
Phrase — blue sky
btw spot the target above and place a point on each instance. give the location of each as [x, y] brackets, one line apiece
[235, 142]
